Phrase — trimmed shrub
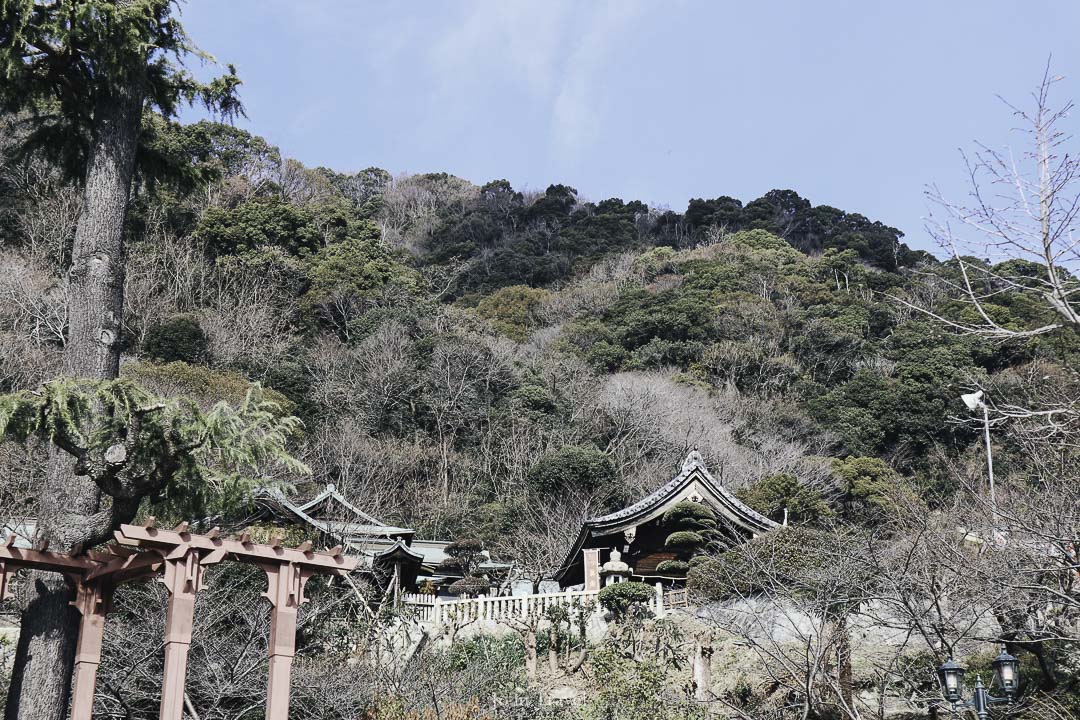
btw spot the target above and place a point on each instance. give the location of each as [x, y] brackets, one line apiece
[470, 586]
[618, 599]
[673, 567]
[684, 539]
[178, 338]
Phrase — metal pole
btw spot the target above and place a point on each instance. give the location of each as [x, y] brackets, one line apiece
[989, 458]
[980, 702]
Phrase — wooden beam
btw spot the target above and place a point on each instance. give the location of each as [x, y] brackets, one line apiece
[54, 562]
[238, 549]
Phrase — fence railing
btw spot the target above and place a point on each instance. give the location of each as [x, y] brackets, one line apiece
[432, 610]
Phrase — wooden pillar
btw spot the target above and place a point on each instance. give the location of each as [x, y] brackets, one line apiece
[6, 573]
[93, 600]
[285, 591]
[592, 569]
[183, 578]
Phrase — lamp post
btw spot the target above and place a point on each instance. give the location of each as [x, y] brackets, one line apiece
[1006, 677]
[974, 401]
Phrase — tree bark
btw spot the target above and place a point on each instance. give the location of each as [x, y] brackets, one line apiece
[73, 513]
[843, 662]
[530, 653]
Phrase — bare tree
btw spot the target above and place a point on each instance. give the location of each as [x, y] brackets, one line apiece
[1023, 208]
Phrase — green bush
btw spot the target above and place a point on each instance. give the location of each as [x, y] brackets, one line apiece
[536, 398]
[180, 338]
[259, 223]
[513, 310]
[618, 599]
[690, 515]
[673, 567]
[572, 467]
[684, 539]
[771, 495]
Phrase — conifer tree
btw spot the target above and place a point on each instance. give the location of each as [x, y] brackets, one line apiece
[693, 527]
[84, 72]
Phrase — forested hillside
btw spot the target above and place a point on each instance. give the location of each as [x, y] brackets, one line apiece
[456, 351]
[491, 362]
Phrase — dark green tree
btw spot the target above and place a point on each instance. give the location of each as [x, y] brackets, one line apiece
[178, 338]
[258, 224]
[465, 556]
[693, 529]
[84, 72]
[783, 496]
[573, 467]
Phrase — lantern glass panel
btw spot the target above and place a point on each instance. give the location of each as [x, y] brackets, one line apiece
[952, 680]
[1007, 669]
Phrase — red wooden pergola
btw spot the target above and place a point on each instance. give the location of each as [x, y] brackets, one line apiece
[180, 557]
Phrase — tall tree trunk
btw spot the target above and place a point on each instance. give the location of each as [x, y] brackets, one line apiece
[73, 514]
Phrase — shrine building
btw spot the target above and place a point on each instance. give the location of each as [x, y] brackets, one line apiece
[633, 543]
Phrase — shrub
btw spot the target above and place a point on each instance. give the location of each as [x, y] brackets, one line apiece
[470, 586]
[535, 397]
[513, 310]
[689, 514]
[673, 567]
[684, 539]
[604, 356]
[199, 383]
[571, 467]
[178, 338]
[618, 599]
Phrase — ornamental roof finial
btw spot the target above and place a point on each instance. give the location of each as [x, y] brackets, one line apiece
[694, 459]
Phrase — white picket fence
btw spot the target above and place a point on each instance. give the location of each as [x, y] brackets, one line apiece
[436, 611]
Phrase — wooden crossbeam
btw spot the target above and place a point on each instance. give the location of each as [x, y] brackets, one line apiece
[123, 568]
[242, 550]
[43, 560]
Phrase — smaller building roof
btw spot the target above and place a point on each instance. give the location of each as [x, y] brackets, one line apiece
[315, 512]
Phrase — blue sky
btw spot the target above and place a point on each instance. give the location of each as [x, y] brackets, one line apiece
[856, 104]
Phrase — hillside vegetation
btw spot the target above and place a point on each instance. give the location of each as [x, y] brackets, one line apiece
[497, 363]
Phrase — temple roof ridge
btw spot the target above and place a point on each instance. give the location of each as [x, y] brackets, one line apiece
[692, 465]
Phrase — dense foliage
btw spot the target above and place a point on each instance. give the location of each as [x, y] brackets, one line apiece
[486, 363]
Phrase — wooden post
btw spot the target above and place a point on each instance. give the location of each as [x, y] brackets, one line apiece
[93, 600]
[285, 591]
[183, 578]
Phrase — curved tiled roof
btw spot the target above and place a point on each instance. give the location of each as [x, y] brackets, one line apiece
[693, 470]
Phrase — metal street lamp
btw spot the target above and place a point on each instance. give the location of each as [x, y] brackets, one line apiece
[1006, 677]
[974, 401]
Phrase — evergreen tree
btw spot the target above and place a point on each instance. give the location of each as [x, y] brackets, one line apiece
[84, 72]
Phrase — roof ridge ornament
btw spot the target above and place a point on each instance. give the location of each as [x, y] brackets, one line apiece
[693, 460]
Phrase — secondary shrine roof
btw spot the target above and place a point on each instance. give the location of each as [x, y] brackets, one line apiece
[315, 512]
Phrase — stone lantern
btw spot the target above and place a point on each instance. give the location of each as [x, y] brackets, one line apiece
[615, 570]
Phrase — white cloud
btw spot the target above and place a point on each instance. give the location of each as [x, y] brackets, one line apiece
[557, 51]
[577, 118]
[521, 38]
